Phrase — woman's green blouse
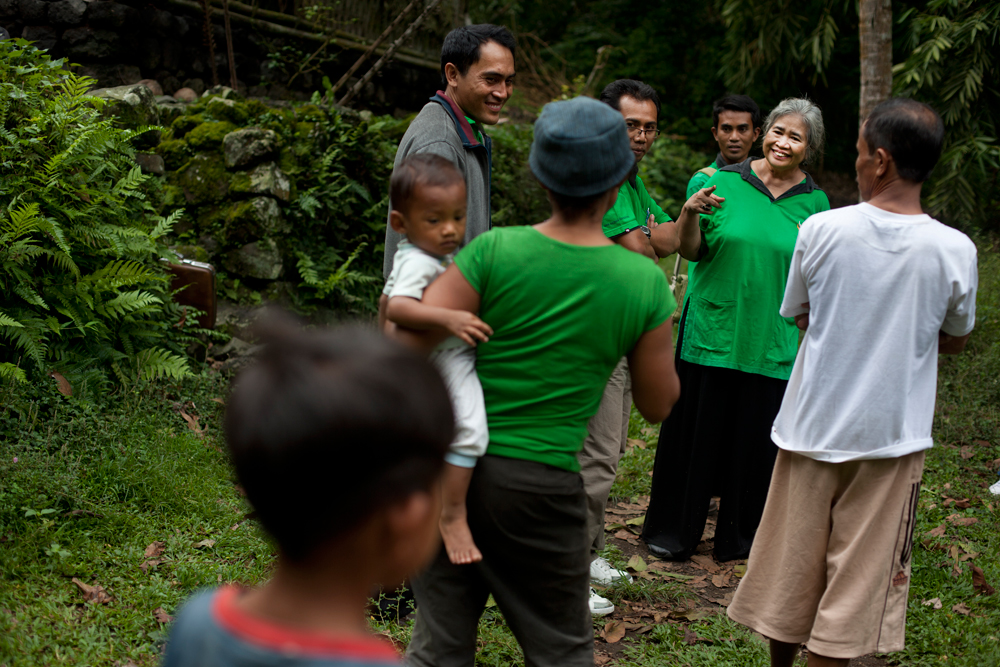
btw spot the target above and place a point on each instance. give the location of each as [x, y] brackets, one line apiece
[737, 285]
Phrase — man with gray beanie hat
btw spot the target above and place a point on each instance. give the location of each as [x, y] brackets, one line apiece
[558, 331]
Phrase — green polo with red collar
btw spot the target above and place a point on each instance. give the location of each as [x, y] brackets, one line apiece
[738, 282]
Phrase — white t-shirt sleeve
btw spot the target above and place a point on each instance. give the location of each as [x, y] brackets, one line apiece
[413, 272]
[961, 316]
[796, 292]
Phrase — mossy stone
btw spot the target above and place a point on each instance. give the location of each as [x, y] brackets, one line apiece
[184, 124]
[310, 112]
[195, 252]
[259, 259]
[175, 153]
[209, 135]
[253, 219]
[231, 110]
[203, 180]
[264, 179]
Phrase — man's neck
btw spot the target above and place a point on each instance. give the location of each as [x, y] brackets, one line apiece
[897, 196]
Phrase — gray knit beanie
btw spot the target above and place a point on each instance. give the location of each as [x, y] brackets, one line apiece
[581, 148]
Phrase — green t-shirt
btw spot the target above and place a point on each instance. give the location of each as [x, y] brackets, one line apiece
[631, 210]
[737, 285]
[699, 178]
[472, 123]
[558, 332]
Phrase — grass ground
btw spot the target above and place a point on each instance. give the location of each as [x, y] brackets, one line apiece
[125, 495]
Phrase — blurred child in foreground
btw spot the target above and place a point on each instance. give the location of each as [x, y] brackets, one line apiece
[339, 440]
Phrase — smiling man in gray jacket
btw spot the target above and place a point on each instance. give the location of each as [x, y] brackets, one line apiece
[477, 67]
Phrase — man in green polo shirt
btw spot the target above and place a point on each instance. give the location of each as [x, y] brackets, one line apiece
[635, 222]
[735, 127]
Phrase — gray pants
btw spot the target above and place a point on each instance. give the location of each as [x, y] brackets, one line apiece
[607, 434]
[529, 521]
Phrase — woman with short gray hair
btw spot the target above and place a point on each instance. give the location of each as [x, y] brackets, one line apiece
[734, 350]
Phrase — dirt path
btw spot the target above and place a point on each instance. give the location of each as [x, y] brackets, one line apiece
[710, 583]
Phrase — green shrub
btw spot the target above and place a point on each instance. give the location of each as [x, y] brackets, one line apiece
[82, 291]
[666, 170]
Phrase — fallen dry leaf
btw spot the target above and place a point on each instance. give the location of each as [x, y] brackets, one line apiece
[637, 521]
[959, 520]
[62, 384]
[601, 659]
[637, 564]
[162, 616]
[205, 543]
[937, 532]
[720, 580]
[979, 582]
[961, 608]
[934, 603]
[696, 614]
[146, 564]
[154, 550]
[967, 452]
[981, 443]
[728, 599]
[218, 400]
[613, 632]
[691, 637]
[706, 563]
[634, 442]
[963, 504]
[95, 594]
[739, 570]
[192, 422]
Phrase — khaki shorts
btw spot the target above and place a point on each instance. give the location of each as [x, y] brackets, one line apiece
[830, 564]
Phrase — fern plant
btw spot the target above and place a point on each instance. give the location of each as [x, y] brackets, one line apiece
[82, 288]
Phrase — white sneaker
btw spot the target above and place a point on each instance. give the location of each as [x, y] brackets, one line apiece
[995, 490]
[603, 574]
[599, 606]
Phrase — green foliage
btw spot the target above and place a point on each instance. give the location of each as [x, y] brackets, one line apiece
[666, 170]
[81, 285]
[954, 65]
[516, 197]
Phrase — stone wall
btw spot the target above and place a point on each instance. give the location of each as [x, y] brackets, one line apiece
[121, 43]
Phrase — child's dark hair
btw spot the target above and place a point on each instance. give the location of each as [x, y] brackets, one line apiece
[420, 169]
[328, 427]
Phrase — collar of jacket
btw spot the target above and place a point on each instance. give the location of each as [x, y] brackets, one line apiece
[465, 130]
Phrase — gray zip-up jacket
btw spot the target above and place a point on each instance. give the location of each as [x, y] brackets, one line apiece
[441, 128]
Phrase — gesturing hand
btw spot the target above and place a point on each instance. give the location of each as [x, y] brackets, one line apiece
[468, 327]
[704, 202]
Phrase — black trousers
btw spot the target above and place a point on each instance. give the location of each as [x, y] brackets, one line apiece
[716, 441]
[529, 521]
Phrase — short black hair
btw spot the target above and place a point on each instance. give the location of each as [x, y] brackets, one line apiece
[572, 206]
[420, 169]
[614, 91]
[910, 131]
[329, 426]
[742, 103]
[462, 46]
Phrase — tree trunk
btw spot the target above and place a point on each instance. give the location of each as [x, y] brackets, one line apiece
[876, 53]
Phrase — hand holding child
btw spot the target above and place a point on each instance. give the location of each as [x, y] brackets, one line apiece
[468, 327]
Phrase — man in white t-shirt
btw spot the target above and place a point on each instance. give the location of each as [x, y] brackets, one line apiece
[880, 289]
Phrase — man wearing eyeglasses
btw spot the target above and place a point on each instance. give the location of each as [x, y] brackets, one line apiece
[638, 223]
[635, 220]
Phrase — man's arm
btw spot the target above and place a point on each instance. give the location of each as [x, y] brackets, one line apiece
[663, 238]
[636, 241]
[655, 386]
[411, 313]
[952, 344]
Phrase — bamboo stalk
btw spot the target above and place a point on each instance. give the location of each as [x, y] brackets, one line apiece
[388, 53]
[229, 46]
[364, 56]
[296, 22]
[276, 29]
